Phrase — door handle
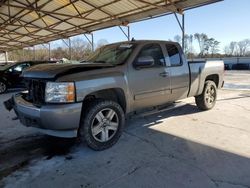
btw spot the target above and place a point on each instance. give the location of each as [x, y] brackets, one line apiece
[164, 74]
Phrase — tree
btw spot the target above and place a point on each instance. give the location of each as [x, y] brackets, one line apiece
[226, 50]
[240, 48]
[214, 46]
[80, 49]
[203, 42]
[207, 45]
[232, 48]
[188, 43]
[243, 46]
[22, 54]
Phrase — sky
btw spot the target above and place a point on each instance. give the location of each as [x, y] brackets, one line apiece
[225, 21]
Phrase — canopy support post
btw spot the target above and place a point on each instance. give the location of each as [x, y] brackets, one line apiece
[68, 44]
[6, 56]
[182, 26]
[70, 49]
[34, 53]
[183, 31]
[127, 35]
[49, 51]
[23, 54]
[91, 41]
[48, 48]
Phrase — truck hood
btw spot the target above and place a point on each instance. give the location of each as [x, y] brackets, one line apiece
[54, 71]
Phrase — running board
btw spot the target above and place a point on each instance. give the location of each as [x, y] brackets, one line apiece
[157, 109]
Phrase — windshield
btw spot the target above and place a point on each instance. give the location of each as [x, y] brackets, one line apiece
[114, 54]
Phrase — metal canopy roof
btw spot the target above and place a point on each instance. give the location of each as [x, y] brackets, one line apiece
[26, 23]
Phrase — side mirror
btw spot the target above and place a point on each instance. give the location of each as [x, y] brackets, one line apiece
[144, 62]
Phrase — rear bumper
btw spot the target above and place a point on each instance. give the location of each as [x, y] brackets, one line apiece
[61, 120]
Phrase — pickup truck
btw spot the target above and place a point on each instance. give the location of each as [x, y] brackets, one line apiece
[92, 99]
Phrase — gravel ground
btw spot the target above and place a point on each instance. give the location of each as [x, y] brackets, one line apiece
[183, 147]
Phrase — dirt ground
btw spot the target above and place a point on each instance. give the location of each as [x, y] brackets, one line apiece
[183, 147]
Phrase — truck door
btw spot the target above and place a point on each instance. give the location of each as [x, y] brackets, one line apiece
[148, 78]
[179, 72]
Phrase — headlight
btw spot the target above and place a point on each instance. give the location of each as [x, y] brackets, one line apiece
[60, 92]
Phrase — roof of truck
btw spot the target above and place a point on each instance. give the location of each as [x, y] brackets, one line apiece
[143, 41]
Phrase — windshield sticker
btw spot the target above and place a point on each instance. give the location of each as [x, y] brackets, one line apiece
[126, 45]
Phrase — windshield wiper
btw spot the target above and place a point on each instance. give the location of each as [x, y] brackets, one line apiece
[105, 63]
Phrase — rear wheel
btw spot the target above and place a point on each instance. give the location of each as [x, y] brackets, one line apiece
[3, 87]
[207, 99]
[102, 124]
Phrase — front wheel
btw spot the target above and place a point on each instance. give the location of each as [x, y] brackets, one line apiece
[102, 124]
[3, 87]
[207, 99]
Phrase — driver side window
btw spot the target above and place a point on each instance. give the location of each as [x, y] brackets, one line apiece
[154, 51]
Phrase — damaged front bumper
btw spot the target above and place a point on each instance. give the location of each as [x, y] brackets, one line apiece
[61, 120]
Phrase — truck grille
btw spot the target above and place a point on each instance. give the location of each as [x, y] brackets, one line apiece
[36, 91]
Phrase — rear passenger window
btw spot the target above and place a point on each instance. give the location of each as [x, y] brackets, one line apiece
[155, 51]
[174, 55]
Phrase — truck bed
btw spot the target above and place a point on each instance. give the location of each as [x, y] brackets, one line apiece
[199, 71]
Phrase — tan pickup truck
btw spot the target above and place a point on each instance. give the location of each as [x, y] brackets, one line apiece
[91, 99]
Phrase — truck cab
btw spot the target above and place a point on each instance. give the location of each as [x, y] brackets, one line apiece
[161, 71]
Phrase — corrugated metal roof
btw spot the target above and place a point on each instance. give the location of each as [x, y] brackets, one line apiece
[30, 22]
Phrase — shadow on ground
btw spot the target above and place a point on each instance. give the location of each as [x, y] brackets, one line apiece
[16, 154]
[144, 157]
[240, 96]
[179, 162]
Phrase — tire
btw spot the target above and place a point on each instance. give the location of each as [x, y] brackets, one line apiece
[102, 124]
[207, 99]
[3, 87]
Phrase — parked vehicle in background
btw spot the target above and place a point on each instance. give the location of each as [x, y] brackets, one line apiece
[241, 66]
[227, 67]
[64, 60]
[10, 74]
[91, 99]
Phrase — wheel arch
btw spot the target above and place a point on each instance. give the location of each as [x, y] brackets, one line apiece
[114, 94]
[214, 78]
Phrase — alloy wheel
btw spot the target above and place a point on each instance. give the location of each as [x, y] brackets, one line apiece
[210, 94]
[104, 125]
[2, 87]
